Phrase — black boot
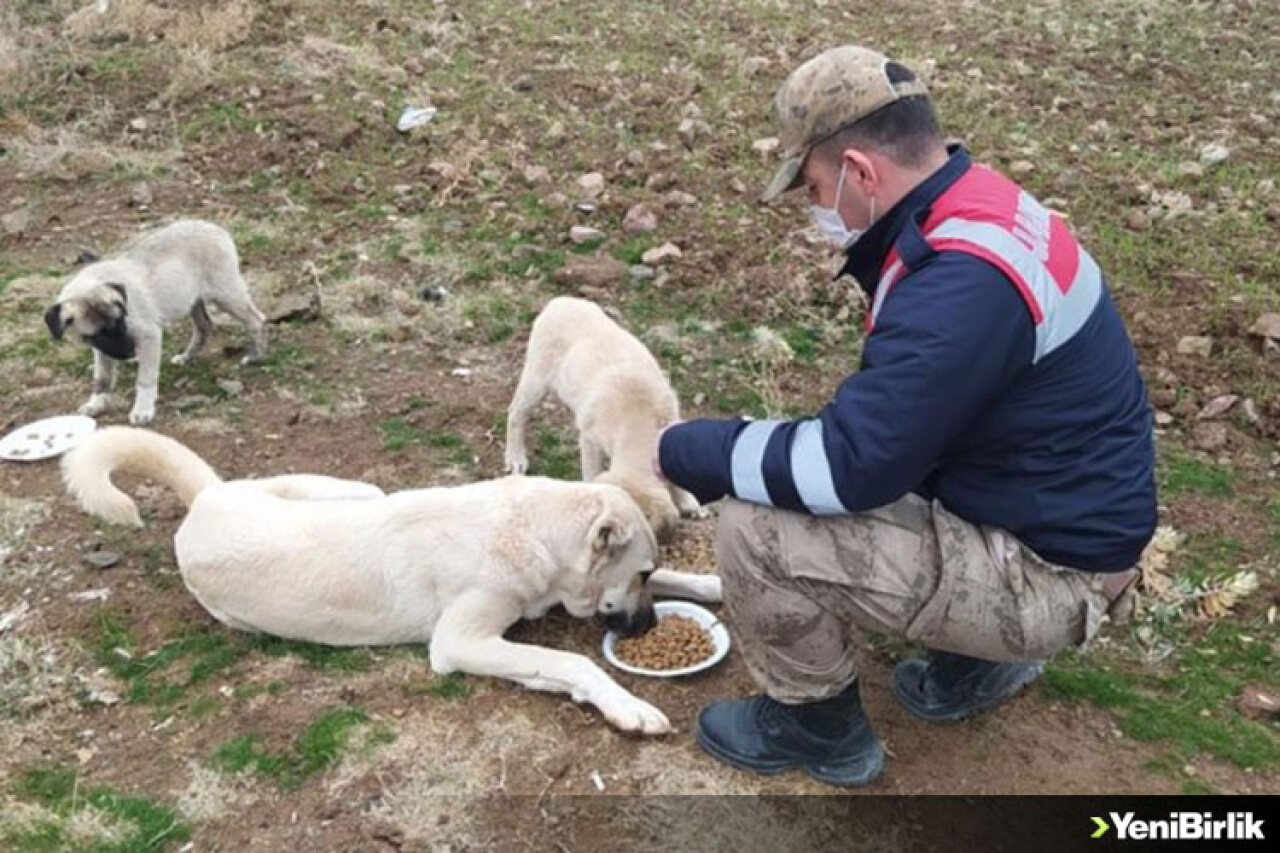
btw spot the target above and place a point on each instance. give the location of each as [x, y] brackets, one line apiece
[831, 740]
[948, 687]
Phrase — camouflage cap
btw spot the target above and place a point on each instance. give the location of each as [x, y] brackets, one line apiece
[825, 95]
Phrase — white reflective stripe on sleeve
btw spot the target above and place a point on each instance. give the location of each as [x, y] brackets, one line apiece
[1064, 314]
[747, 462]
[882, 289]
[811, 471]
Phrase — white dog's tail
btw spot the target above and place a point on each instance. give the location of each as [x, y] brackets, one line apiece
[87, 470]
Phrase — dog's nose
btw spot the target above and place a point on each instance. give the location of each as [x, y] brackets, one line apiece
[631, 624]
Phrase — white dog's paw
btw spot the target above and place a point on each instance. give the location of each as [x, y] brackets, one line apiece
[517, 464]
[141, 417]
[630, 714]
[96, 406]
[179, 359]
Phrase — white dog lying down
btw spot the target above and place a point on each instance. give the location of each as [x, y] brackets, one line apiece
[338, 562]
[620, 399]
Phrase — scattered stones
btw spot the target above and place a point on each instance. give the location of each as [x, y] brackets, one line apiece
[1250, 410]
[1163, 398]
[1163, 419]
[592, 271]
[138, 125]
[1258, 701]
[1267, 326]
[189, 402]
[635, 157]
[1191, 170]
[433, 293]
[766, 146]
[302, 307]
[231, 387]
[1217, 407]
[534, 175]
[641, 272]
[1137, 220]
[753, 65]
[140, 196]
[679, 198]
[1214, 153]
[661, 255]
[738, 186]
[1022, 167]
[16, 223]
[659, 181]
[1198, 345]
[523, 84]
[640, 219]
[1209, 435]
[591, 184]
[586, 208]
[580, 234]
[101, 559]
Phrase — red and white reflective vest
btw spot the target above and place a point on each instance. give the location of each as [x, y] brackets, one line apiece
[989, 216]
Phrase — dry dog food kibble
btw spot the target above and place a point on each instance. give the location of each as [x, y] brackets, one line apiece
[674, 643]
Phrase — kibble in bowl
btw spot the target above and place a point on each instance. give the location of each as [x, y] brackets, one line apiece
[686, 639]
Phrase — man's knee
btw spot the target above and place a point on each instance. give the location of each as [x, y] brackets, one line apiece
[740, 540]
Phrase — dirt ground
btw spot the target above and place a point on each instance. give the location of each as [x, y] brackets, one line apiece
[1151, 127]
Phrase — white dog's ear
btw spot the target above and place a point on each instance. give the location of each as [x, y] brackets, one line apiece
[609, 532]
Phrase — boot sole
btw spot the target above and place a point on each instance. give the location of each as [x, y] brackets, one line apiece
[773, 768]
[961, 716]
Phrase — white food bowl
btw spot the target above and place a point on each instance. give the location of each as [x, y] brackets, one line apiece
[45, 439]
[709, 622]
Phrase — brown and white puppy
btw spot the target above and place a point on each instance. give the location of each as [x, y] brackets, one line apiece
[338, 562]
[620, 399]
[120, 306]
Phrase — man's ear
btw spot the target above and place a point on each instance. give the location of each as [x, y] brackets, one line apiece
[53, 319]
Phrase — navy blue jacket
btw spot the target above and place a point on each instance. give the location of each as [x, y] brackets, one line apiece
[948, 404]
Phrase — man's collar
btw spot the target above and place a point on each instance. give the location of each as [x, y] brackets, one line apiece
[866, 257]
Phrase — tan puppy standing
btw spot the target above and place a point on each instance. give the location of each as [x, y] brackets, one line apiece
[120, 306]
[338, 562]
[621, 402]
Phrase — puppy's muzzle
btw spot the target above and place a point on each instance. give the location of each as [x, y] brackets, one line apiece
[632, 624]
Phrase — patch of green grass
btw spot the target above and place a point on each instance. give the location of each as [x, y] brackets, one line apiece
[149, 827]
[329, 658]
[632, 251]
[319, 746]
[804, 341]
[453, 687]
[1189, 702]
[151, 677]
[1185, 474]
[554, 456]
[283, 356]
[398, 435]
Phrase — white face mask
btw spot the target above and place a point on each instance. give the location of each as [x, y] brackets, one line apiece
[831, 223]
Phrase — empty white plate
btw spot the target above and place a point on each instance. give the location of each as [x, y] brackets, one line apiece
[709, 622]
[45, 439]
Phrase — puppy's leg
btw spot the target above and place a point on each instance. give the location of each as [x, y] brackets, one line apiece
[529, 392]
[104, 379]
[468, 638]
[687, 503]
[591, 456]
[667, 583]
[239, 305]
[149, 342]
[199, 335]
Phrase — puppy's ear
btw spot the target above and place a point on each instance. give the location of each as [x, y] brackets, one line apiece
[119, 288]
[53, 319]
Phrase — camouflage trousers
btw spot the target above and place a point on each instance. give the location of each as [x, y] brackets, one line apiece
[798, 590]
